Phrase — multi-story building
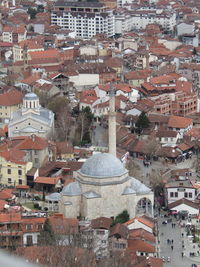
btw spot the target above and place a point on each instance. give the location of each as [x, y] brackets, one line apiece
[123, 21]
[10, 101]
[180, 104]
[141, 18]
[86, 19]
[13, 167]
[21, 50]
[14, 34]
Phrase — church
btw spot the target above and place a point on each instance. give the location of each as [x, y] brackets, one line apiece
[103, 186]
[31, 119]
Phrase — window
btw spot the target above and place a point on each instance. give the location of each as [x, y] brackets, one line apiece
[20, 181]
[185, 194]
[19, 172]
[171, 194]
[29, 227]
[8, 171]
[9, 180]
[190, 195]
[100, 232]
[29, 240]
[39, 226]
[176, 194]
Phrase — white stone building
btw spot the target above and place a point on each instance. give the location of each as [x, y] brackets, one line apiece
[103, 187]
[31, 119]
[86, 19]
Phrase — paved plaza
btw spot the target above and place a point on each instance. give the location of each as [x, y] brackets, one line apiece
[181, 244]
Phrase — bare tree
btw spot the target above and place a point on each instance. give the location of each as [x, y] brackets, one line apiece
[133, 168]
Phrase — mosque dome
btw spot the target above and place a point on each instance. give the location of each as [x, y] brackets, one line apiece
[103, 165]
[30, 96]
[72, 189]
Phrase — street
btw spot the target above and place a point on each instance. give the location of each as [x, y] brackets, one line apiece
[167, 232]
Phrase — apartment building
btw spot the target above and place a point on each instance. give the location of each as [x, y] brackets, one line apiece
[141, 18]
[13, 34]
[179, 103]
[123, 21]
[86, 19]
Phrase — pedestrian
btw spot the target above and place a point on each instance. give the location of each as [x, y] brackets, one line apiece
[172, 241]
[172, 247]
[182, 253]
[182, 234]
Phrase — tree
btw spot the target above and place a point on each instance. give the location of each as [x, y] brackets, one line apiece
[122, 217]
[156, 181]
[47, 236]
[40, 8]
[133, 168]
[151, 147]
[142, 122]
[85, 119]
[32, 12]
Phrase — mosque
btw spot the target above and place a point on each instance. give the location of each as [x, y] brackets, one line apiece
[103, 186]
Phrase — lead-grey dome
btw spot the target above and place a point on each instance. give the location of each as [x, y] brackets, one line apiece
[30, 96]
[103, 165]
[72, 189]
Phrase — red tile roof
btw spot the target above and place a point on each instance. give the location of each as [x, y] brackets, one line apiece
[141, 246]
[6, 193]
[14, 155]
[11, 97]
[10, 217]
[31, 143]
[179, 122]
[47, 180]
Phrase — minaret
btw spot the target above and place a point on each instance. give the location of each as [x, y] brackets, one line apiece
[112, 122]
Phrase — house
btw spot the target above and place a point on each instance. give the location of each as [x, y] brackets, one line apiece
[136, 78]
[118, 237]
[144, 222]
[47, 184]
[22, 49]
[11, 231]
[14, 167]
[64, 151]
[14, 34]
[10, 101]
[64, 228]
[141, 247]
[186, 205]
[39, 150]
[179, 189]
[167, 137]
[31, 228]
[180, 124]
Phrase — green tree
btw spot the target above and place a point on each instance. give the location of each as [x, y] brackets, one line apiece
[122, 217]
[32, 12]
[142, 122]
[47, 236]
[40, 8]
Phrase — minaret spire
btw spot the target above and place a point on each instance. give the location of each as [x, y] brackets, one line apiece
[112, 122]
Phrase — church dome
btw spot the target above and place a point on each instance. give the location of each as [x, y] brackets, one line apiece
[30, 96]
[103, 165]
